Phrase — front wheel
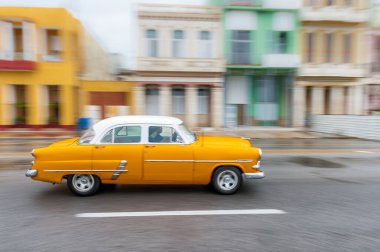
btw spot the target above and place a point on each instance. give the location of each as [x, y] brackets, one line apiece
[227, 180]
[83, 184]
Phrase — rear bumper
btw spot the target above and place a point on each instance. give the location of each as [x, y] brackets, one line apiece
[256, 175]
[31, 173]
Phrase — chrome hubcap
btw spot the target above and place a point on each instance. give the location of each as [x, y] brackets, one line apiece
[83, 183]
[228, 180]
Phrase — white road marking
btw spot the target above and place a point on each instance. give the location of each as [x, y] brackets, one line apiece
[362, 151]
[181, 213]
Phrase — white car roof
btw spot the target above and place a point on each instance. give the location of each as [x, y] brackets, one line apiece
[117, 120]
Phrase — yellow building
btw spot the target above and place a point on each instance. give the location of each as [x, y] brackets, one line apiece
[52, 71]
[333, 46]
[39, 63]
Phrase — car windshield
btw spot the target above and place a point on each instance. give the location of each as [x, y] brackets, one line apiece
[87, 136]
[188, 133]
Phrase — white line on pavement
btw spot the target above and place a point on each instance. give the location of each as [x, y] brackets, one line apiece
[181, 213]
[362, 151]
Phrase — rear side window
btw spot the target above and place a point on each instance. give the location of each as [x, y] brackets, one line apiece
[123, 134]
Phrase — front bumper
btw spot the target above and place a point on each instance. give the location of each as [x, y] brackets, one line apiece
[256, 175]
[31, 173]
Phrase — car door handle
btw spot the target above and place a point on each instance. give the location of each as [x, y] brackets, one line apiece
[150, 146]
[100, 146]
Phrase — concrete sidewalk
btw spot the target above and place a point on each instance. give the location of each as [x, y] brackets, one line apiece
[249, 132]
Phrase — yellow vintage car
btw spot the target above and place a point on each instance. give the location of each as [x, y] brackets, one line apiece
[146, 150]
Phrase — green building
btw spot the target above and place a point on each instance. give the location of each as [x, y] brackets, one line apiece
[261, 50]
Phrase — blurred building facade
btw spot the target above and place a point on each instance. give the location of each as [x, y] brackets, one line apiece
[333, 41]
[180, 64]
[260, 45]
[39, 62]
[232, 63]
[51, 70]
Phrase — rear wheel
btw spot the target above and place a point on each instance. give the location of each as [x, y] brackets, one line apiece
[227, 180]
[83, 184]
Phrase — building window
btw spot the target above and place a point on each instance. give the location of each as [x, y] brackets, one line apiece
[240, 47]
[151, 42]
[328, 46]
[329, 2]
[347, 48]
[203, 98]
[278, 41]
[178, 101]
[52, 45]
[348, 3]
[309, 47]
[18, 45]
[152, 100]
[205, 50]
[178, 44]
[282, 42]
[266, 90]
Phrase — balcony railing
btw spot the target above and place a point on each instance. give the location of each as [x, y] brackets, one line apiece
[334, 70]
[281, 60]
[180, 64]
[19, 61]
[243, 2]
[334, 13]
[270, 4]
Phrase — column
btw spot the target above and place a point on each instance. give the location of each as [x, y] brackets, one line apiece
[355, 100]
[359, 100]
[67, 103]
[34, 108]
[299, 106]
[138, 100]
[317, 100]
[3, 106]
[165, 99]
[191, 94]
[217, 107]
[337, 100]
[319, 45]
[350, 101]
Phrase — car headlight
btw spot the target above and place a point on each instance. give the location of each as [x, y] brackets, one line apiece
[32, 153]
[260, 153]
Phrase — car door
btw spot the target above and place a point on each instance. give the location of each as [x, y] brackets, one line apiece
[118, 155]
[167, 159]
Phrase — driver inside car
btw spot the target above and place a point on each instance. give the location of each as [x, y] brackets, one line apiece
[155, 134]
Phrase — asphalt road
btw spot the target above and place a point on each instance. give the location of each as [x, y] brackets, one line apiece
[331, 203]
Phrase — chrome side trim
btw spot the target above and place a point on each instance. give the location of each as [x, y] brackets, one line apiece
[200, 161]
[256, 166]
[84, 171]
[167, 160]
[256, 175]
[119, 169]
[224, 161]
[31, 173]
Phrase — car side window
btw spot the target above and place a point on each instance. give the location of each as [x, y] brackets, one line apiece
[163, 134]
[107, 138]
[123, 134]
[127, 134]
